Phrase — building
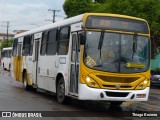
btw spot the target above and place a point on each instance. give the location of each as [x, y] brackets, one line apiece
[19, 31]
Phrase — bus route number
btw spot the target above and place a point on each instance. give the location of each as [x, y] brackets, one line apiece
[90, 62]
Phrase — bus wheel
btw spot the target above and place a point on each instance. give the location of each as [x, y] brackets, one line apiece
[61, 98]
[116, 103]
[25, 84]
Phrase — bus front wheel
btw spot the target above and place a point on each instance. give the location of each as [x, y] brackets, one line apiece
[61, 98]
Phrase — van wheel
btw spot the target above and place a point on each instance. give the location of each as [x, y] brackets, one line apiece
[61, 98]
[116, 103]
[25, 83]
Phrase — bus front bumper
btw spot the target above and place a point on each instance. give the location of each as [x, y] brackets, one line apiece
[87, 93]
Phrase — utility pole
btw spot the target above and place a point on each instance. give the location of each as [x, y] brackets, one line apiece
[54, 14]
[7, 31]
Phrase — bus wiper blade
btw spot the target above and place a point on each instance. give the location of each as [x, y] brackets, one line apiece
[101, 43]
[134, 48]
[101, 39]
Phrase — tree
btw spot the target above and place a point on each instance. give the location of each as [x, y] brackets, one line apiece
[146, 9]
[100, 1]
[76, 7]
[5, 44]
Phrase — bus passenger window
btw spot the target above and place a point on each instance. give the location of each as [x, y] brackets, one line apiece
[31, 45]
[64, 40]
[43, 43]
[14, 52]
[26, 45]
[52, 43]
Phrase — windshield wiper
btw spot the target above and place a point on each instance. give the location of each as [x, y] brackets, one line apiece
[135, 36]
[101, 40]
[100, 45]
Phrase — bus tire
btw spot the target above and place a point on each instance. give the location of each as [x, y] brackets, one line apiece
[61, 98]
[25, 83]
[116, 103]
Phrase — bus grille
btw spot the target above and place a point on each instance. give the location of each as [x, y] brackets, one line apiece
[114, 86]
[116, 94]
[117, 79]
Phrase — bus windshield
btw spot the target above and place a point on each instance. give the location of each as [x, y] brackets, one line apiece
[123, 53]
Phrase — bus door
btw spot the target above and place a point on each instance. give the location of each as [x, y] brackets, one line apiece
[36, 47]
[19, 60]
[74, 75]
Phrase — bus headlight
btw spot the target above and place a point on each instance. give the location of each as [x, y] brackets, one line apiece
[90, 82]
[143, 85]
[145, 82]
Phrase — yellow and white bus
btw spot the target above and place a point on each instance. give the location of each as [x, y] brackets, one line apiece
[92, 56]
[6, 58]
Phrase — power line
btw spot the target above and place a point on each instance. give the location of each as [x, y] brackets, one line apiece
[29, 19]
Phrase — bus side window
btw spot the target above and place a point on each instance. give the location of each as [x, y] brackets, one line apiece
[31, 45]
[52, 42]
[7, 53]
[2, 54]
[63, 42]
[26, 45]
[10, 52]
[43, 43]
[15, 43]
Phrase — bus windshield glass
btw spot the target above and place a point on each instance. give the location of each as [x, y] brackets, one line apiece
[116, 52]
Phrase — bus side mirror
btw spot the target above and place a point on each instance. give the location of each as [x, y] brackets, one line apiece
[82, 38]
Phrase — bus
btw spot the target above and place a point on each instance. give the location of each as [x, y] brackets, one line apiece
[6, 58]
[92, 56]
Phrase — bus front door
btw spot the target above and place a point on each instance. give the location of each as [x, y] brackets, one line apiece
[74, 75]
[35, 58]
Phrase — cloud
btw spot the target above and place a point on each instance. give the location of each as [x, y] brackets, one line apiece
[13, 11]
[29, 14]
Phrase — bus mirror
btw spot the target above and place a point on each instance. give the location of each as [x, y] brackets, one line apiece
[82, 38]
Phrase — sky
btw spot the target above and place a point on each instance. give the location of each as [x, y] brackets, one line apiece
[28, 14]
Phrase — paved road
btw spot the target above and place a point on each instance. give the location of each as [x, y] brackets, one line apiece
[14, 98]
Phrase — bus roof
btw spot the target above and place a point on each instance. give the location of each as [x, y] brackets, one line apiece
[53, 25]
[72, 20]
[7, 48]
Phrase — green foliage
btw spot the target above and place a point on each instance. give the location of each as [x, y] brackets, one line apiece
[5, 44]
[76, 7]
[157, 69]
[146, 9]
[100, 1]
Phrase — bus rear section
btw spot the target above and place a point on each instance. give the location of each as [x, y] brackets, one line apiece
[6, 58]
